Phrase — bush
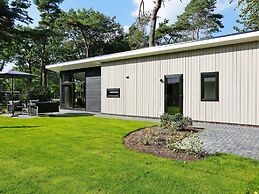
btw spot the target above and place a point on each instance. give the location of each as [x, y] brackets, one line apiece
[149, 136]
[3, 110]
[190, 145]
[176, 122]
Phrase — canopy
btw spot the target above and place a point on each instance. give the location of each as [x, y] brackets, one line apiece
[15, 74]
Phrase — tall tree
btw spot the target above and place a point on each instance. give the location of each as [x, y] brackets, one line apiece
[92, 33]
[137, 36]
[167, 34]
[249, 16]
[199, 19]
[50, 11]
[10, 13]
[153, 18]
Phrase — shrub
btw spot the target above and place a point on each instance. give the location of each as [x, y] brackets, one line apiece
[149, 136]
[176, 122]
[166, 121]
[191, 145]
[194, 144]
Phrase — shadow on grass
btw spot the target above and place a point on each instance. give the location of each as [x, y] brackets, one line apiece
[69, 115]
[17, 127]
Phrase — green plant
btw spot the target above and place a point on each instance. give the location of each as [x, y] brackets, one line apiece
[191, 145]
[166, 121]
[174, 142]
[149, 136]
[3, 110]
[176, 122]
[194, 144]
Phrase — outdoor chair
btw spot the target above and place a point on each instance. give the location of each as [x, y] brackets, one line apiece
[14, 106]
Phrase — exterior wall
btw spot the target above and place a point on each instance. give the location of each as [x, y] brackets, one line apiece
[143, 93]
[93, 89]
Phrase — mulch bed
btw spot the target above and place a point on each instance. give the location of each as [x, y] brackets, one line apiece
[134, 141]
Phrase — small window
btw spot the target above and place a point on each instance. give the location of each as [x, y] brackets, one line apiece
[113, 93]
[210, 86]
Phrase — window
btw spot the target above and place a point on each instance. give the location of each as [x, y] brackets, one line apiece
[113, 93]
[210, 86]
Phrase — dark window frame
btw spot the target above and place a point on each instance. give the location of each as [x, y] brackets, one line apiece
[210, 75]
[112, 89]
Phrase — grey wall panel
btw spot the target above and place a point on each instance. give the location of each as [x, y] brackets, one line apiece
[143, 93]
[93, 94]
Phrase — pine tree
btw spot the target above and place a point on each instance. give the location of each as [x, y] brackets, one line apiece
[199, 19]
[249, 16]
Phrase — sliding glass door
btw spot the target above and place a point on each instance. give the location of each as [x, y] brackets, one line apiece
[73, 90]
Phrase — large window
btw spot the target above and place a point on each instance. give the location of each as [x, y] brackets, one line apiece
[210, 86]
[73, 90]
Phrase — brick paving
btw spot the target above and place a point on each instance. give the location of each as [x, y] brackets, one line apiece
[230, 139]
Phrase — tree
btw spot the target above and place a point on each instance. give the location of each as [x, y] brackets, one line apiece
[153, 18]
[50, 11]
[10, 13]
[137, 36]
[91, 33]
[249, 16]
[167, 34]
[199, 19]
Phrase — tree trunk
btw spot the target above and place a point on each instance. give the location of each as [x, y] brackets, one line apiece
[43, 78]
[198, 34]
[152, 32]
[86, 47]
[2, 65]
[30, 70]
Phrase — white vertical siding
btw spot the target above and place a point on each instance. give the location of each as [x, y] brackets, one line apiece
[143, 93]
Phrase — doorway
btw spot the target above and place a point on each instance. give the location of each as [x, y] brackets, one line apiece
[174, 94]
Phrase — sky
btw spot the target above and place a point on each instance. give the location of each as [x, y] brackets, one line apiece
[126, 11]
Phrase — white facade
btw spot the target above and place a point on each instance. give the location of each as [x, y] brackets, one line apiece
[143, 93]
[138, 74]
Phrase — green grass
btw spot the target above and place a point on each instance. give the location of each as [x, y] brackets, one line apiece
[87, 155]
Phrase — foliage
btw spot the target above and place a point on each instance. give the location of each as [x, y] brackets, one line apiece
[175, 122]
[150, 136]
[167, 34]
[191, 145]
[91, 33]
[137, 36]
[11, 12]
[249, 16]
[199, 19]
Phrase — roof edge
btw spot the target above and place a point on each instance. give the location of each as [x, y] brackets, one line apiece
[158, 50]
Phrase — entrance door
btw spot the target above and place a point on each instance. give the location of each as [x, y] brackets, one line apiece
[174, 94]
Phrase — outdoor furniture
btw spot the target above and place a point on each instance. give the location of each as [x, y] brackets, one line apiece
[14, 106]
[44, 107]
[15, 75]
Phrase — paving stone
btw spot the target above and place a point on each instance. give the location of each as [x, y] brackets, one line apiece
[239, 140]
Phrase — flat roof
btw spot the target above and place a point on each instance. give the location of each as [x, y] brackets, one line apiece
[156, 50]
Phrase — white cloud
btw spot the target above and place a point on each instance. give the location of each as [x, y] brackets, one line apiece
[170, 11]
[126, 28]
[173, 8]
[225, 4]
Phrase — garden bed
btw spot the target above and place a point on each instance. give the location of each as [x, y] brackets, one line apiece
[154, 140]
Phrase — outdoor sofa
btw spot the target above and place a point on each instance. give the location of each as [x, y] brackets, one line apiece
[44, 107]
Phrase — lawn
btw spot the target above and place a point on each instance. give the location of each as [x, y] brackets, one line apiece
[87, 155]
